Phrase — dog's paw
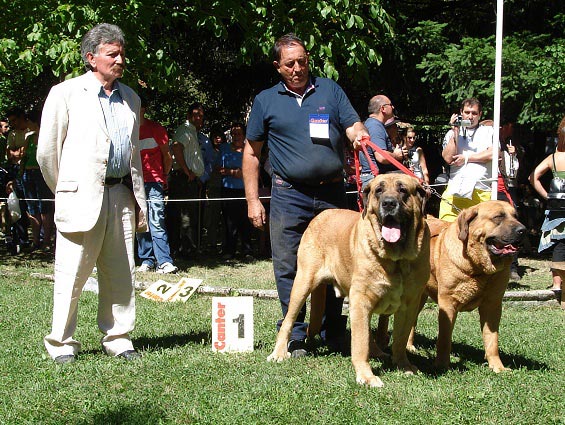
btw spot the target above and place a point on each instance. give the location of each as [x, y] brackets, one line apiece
[403, 364]
[410, 370]
[371, 381]
[441, 366]
[277, 357]
[499, 368]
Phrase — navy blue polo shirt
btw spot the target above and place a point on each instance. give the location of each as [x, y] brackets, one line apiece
[276, 117]
[379, 137]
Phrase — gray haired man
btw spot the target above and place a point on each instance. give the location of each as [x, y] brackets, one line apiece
[89, 156]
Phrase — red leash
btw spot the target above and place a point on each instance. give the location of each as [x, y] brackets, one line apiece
[366, 141]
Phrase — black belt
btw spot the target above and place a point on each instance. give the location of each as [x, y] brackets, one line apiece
[125, 180]
[336, 179]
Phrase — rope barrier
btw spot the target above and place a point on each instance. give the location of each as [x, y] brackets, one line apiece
[215, 199]
[154, 200]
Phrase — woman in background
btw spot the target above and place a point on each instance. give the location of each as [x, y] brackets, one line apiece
[415, 158]
[40, 204]
[553, 227]
[236, 223]
[213, 218]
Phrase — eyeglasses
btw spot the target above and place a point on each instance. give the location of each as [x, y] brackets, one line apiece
[388, 104]
[301, 62]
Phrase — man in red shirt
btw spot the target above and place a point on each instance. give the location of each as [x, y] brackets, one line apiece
[153, 246]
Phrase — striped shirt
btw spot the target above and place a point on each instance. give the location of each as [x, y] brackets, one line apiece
[115, 114]
[187, 136]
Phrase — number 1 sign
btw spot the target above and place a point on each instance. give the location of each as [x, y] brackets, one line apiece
[232, 324]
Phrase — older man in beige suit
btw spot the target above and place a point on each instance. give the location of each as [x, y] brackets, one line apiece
[89, 155]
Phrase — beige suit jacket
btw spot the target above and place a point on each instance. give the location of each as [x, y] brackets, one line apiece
[73, 150]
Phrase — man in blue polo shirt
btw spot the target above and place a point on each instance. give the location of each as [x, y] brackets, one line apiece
[381, 115]
[303, 119]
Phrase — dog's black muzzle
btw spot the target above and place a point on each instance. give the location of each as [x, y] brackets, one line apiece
[389, 205]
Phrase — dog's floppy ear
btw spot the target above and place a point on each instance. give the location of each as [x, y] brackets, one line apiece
[366, 194]
[463, 221]
[423, 195]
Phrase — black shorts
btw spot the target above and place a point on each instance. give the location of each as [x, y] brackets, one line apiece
[558, 258]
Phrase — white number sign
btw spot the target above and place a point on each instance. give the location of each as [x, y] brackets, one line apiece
[232, 324]
[167, 291]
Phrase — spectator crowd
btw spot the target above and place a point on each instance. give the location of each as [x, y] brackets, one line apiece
[127, 191]
[117, 173]
[198, 172]
[193, 184]
[195, 191]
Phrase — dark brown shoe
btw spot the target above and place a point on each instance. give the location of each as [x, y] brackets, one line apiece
[129, 355]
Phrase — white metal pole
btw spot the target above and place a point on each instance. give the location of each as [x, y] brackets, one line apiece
[497, 86]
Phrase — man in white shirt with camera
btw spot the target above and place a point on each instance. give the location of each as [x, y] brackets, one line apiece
[467, 149]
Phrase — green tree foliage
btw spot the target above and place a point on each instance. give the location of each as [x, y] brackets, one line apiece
[532, 76]
[426, 54]
[173, 45]
[425, 69]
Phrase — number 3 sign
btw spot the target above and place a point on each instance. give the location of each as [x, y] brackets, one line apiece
[232, 324]
[166, 291]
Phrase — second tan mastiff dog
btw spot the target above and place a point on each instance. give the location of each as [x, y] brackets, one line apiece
[470, 267]
[380, 259]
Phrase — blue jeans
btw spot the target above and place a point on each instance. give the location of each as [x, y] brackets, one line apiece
[293, 206]
[236, 223]
[36, 188]
[153, 246]
[365, 179]
[183, 217]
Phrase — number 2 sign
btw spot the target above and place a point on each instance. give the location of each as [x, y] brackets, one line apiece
[166, 291]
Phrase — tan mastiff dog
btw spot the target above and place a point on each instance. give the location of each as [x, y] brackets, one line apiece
[379, 259]
[470, 267]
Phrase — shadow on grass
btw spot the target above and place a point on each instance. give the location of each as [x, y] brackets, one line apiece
[39, 258]
[128, 414]
[523, 270]
[265, 345]
[213, 261]
[149, 344]
[424, 358]
[171, 341]
[465, 353]
[517, 285]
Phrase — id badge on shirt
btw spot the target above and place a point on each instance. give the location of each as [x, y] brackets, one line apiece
[320, 126]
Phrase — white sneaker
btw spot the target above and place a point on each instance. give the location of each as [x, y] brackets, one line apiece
[144, 268]
[166, 268]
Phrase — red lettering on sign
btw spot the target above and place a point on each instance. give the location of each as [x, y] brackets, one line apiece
[221, 328]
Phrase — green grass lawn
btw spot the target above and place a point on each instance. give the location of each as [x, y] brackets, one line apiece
[180, 380]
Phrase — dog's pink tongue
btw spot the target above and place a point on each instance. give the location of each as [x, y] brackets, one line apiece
[509, 249]
[390, 234]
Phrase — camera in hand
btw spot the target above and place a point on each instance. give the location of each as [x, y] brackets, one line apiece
[460, 122]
